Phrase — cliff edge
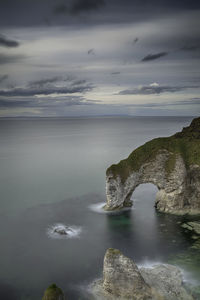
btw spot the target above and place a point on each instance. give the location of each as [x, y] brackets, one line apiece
[171, 163]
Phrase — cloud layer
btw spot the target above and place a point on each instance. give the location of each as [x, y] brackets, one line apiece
[48, 86]
[5, 42]
[154, 89]
[10, 59]
[99, 55]
[150, 57]
[95, 11]
[3, 78]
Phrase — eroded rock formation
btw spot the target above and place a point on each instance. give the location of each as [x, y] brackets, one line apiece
[122, 280]
[172, 164]
[121, 277]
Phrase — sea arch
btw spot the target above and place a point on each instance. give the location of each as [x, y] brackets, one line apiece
[171, 186]
[171, 163]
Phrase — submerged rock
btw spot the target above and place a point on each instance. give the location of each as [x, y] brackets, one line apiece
[122, 280]
[61, 230]
[192, 226]
[188, 260]
[53, 293]
[172, 164]
[196, 245]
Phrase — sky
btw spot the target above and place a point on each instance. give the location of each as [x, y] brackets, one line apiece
[99, 57]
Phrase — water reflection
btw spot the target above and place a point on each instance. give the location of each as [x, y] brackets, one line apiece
[121, 221]
[143, 233]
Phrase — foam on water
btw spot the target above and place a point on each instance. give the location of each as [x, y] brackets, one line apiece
[187, 276]
[149, 264]
[71, 231]
[98, 208]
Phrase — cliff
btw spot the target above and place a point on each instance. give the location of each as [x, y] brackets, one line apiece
[171, 163]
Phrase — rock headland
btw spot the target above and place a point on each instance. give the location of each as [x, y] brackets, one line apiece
[171, 163]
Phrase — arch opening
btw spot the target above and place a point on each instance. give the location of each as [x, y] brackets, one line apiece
[144, 196]
[137, 189]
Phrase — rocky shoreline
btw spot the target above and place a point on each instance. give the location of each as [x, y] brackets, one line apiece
[122, 279]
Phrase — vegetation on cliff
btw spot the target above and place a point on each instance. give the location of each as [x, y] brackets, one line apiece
[185, 143]
[53, 293]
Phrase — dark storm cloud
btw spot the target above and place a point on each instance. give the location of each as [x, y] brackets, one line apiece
[5, 42]
[48, 86]
[36, 12]
[86, 5]
[3, 78]
[190, 48]
[91, 51]
[27, 92]
[80, 82]
[44, 102]
[150, 57]
[61, 9]
[48, 82]
[135, 40]
[78, 6]
[43, 82]
[7, 103]
[9, 59]
[154, 89]
[194, 101]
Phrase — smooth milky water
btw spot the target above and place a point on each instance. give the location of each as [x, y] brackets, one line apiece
[52, 171]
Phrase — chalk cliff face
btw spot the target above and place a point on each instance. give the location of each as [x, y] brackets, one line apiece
[122, 280]
[172, 164]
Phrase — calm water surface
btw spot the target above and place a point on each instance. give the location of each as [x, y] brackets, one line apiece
[53, 171]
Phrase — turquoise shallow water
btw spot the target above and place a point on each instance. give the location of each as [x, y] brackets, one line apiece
[52, 171]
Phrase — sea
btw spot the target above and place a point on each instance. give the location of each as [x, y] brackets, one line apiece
[52, 172]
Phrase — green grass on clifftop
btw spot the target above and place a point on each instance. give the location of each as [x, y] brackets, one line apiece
[185, 143]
